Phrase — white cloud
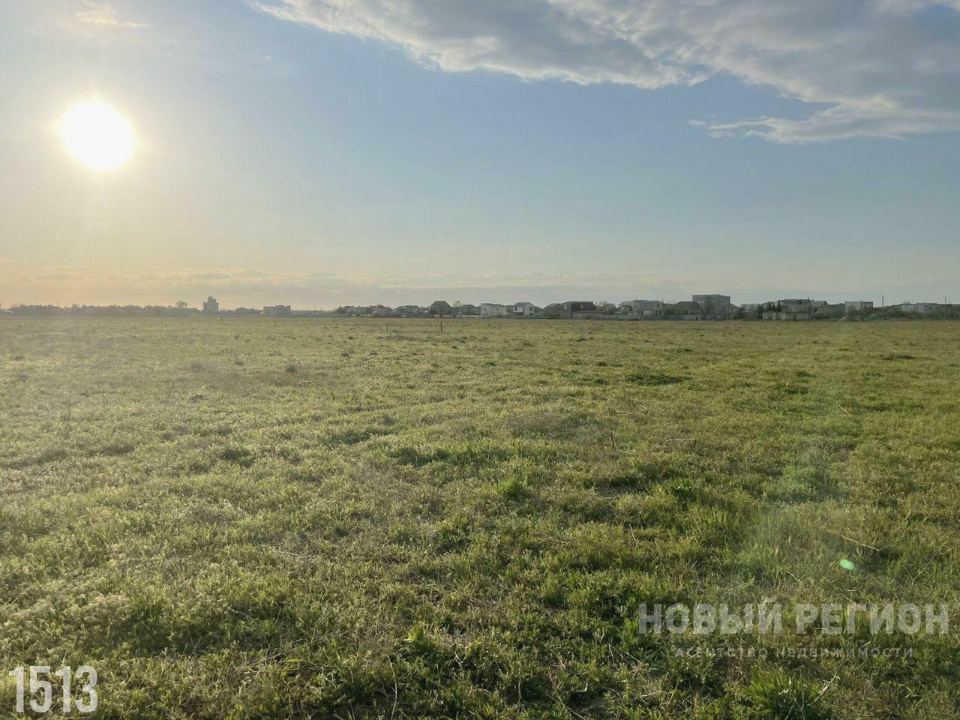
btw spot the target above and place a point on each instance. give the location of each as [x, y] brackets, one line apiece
[103, 14]
[885, 68]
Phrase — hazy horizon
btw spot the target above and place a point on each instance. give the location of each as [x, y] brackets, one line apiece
[399, 296]
[316, 154]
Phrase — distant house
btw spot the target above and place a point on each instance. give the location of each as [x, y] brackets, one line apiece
[365, 311]
[523, 309]
[567, 309]
[923, 308]
[211, 306]
[644, 308]
[410, 311]
[467, 309]
[716, 305]
[277, 311]
[441, 307]
[488, 310]
[520, 309]
[246, 311]
[787, 316]
[857, 305]
[800, 305]
[804, 309]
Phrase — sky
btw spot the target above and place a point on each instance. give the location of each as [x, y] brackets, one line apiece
[328, 152]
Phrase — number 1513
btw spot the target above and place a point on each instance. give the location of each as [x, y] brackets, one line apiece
[41, 690]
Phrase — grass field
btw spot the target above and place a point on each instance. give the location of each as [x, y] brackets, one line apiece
[259, 519]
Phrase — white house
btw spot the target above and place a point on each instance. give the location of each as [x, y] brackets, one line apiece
[645, 308]
[922, 308]
[493, 310]
[524, 309]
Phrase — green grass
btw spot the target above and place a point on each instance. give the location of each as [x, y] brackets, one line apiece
[257, 519]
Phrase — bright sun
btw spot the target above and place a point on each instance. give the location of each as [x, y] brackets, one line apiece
[98, 136]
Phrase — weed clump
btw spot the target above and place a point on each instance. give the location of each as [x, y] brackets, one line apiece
[778, 696]
[651, 378]
[237, 455]
[512, 489]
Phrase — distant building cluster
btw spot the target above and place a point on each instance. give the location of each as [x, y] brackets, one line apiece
[699, 307]
[277, 311]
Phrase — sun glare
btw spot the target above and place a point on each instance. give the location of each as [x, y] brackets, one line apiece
[98, 136]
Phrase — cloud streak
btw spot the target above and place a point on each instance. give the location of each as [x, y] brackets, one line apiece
[103, 15]
[882, 68]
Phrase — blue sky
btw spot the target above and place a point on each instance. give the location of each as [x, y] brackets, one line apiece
[292, 154]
